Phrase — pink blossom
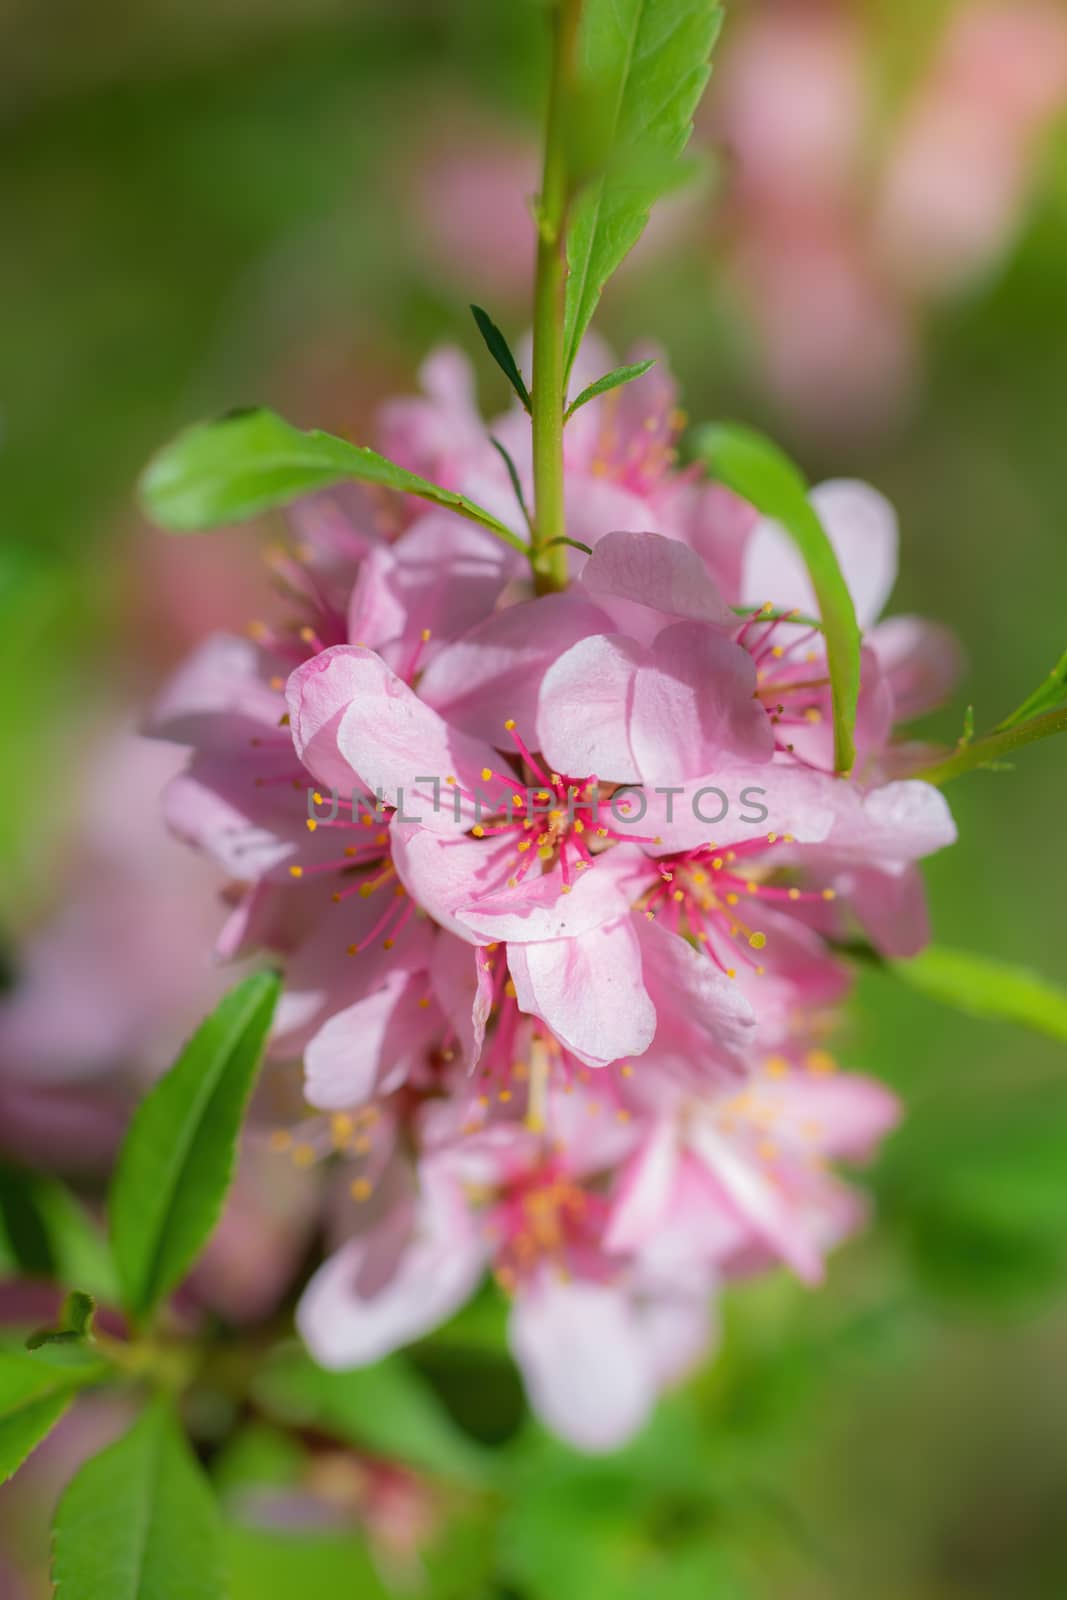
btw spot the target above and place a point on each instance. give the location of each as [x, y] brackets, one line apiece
[841, 225]
[552, 1015]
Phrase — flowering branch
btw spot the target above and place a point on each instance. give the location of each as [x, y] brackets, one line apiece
[995, 746]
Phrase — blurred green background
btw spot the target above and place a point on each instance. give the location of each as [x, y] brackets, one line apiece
[208, 205]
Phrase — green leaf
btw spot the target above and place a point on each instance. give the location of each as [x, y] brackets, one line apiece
[513, 475]
[610, 380]
[139, 1521]
[500, 351]
[760, 473]
[45, 1231]
[1046, 697]
[178, 1156]
[33, 1397]
[650, 60]
[988, 989]
[252, 461]
[387, 1409]
[75, 1324]
[314, 1566]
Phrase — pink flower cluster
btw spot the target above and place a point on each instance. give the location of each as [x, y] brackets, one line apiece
[555, 1022]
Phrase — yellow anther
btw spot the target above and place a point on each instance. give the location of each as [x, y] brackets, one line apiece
[361, 1189]
[757, 941]
[311, 824]
[296, 872]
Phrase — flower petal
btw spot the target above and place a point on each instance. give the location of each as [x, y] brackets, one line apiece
[589, 991]
[494, 672]
[580, 1351]
[705, 1025]
[369, 1049]
[922, 660]
[694, 706]
[350, 712]
[583, 715]
[393, 1283]
[645, 581]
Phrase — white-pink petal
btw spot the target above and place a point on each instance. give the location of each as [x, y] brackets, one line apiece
[581, 1354]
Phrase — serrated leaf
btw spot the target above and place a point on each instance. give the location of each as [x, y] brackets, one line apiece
[610, 380]
[760, 473]
[139, 1522]
[388, 1409]
[500, 351]
[252, 461]
[989, 989]
[649, 59]
[177, 1160]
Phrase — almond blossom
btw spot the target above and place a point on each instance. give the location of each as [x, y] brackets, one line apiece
[559, 882]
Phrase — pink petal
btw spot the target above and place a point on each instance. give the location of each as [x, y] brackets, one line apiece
[350, 712]
[218, 699]
[694, 706]
[494, 672]
[848, 1115]
[444, 873]
[579, 1348]
[463, 986]
[655, 579]
[796, 801]
[922, 660]
[370, 1048]
[443, 575]
[755, 1200]
[644, 1190]
[538, 909]
[891, 906]
[393, 1283]
[705, 1025]
[584, 710]
[589, 991]
[897, 823]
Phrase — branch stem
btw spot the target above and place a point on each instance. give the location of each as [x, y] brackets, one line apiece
[549, 375]
[995, 746]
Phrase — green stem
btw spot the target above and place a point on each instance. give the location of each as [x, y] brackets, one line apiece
[994, 746]
[549, 377]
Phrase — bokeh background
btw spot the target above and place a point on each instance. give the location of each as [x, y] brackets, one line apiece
[207, 205]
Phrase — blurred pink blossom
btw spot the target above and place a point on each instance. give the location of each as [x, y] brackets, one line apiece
[837, 236]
